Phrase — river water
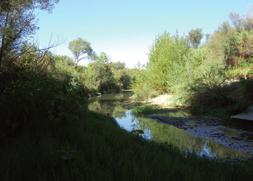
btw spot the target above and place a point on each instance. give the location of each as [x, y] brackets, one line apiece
[205, 137]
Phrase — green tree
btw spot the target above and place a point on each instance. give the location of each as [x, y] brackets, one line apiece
[121, 75]
[215, 44]
[99, 77]
[231, 50]
[236, 20]
[17, 22]
[246, 44]
[241, 23]
[166, 58]
[103, 57]
[195, 36]
[224, 28]
[80, 48]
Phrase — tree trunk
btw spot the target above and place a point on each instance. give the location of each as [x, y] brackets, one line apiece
[3, 39]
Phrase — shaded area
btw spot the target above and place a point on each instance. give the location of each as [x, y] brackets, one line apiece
[247, 115]
[224, 100]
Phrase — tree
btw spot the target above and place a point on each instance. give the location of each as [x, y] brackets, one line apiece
[236, 20]
[100, 77]
[246, 44]
[231, 50]
[17, 23]
[195, 36]
[248, 23]
[216, 42]
[79, 48]
[103, 57]
[241, 22]
[118, 66]
[121, 74]
[224, 28]
[166, 58]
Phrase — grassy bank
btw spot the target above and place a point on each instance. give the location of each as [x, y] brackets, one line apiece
[96, 149]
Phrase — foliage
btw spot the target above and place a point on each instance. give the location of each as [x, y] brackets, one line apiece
[201, 78]
[231, 50]
[104, 76]
[34, 59]
[232, 44]
[121, 75]
[30, 96]
[244, 70]
[80, 47]
[103, 57]
[146, 110]
[142, 86]
[195, 37]
[241, 23]
[167, 56]
[100, 77]
[17, 22]
[222, 100]
[46, 131]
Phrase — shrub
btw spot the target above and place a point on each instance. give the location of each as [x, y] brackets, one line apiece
[28, 96]
[230, 98]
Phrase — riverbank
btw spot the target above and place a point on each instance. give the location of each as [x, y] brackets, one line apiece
[97, 149]
[163, 101]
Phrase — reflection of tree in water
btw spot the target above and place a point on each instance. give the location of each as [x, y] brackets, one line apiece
[114, 105]
[164, 133]
[113, 109]
[135, 125]
[117, 106]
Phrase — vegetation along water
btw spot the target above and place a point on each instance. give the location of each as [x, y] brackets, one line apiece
[86, 116]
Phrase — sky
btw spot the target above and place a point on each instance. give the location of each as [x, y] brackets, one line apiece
[126, 29]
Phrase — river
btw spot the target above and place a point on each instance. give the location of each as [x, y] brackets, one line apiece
[205, 137]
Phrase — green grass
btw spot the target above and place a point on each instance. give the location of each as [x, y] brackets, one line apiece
[145, 110]
[95, 148]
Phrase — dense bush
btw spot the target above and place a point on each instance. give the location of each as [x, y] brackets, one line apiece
[143, 87]
[227, 99]
[99, 76]
[27, 96]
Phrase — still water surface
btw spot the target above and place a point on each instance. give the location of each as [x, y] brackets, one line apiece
[120, 106]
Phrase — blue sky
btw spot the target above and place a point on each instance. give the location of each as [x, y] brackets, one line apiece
[126, 29]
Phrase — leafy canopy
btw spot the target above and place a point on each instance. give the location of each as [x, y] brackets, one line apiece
[80, 47]
[195, 36]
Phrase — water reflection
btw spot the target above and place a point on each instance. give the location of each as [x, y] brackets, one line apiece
[206, 152]
[119, 107]
[132, 124]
